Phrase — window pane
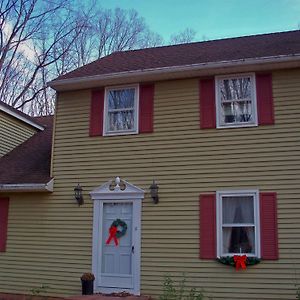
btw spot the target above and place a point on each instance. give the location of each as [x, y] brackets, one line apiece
[238, 240]
[123, 120]
[118, 99]
[238, 209]
[236, 88]
[237, 111]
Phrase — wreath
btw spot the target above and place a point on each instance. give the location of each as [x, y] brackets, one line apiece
[238, 261]
[119, 223]
[115, 233]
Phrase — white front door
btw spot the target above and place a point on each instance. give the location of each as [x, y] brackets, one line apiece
[117, 260]
[117, 267]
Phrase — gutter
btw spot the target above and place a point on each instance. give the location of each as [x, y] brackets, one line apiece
[28, 187]
[60, 84]
[21, 118]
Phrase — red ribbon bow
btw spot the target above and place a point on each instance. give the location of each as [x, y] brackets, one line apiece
[112, 235]
[240, 261]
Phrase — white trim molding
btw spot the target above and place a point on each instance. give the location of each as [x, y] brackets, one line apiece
[256, 224]
[21, 118]
[135, 130]
[117, 191]
[28, 187]
[254, 121]
[176, 72]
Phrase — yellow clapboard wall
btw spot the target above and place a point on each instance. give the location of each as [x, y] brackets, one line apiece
[13, 133]
[50, 237]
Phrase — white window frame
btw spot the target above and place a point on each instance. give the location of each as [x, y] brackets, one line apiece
[219, 221]
[254, 122]
[135, 130]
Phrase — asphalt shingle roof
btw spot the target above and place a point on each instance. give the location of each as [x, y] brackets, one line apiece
[30, 161]
[256, 46]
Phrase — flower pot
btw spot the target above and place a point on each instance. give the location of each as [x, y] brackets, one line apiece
[87, 287]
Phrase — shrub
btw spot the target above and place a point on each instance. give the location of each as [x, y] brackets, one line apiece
[171, 293]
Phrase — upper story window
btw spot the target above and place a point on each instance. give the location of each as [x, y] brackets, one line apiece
[238, 223]
[120, 113]
[236, 101]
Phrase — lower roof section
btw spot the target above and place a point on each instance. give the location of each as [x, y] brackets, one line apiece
[27, 166]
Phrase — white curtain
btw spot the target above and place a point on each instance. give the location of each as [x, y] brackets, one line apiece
[238, 210]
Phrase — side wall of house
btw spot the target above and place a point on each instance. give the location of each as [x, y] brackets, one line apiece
[50, 237]
[12, 133]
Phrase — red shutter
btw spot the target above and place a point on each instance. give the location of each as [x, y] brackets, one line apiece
[208, 226]
[96, 114]
[146, 104]
[268, 225]
[207, 103]
[264, 94]
[4, 204]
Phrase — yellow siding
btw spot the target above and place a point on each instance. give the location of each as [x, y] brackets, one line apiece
[50, 238]
[12, 133]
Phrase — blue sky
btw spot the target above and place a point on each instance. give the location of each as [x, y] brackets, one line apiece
[215, 18]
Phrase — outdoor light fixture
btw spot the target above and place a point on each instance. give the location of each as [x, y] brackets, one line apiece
[154, 192]
[78, 194]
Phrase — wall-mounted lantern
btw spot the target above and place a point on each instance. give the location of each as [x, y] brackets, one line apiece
[154, 192]
[78, 194]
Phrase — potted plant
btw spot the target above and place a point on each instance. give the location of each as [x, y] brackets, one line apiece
[87, 283]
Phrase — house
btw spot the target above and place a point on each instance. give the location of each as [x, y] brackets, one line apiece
[215, 127]
[15, 128]
[25, 151]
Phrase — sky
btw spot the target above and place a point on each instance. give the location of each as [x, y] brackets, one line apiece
[213, 19]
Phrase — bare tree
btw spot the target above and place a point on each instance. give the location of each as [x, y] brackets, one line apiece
[118, 30]
[30, 31]
[106, 31]
[186, 36]
[42, 39]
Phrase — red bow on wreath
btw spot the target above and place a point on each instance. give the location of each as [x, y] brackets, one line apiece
[240, 261]
[112, 235]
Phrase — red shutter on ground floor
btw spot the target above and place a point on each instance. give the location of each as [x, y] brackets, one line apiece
[208, 226]
[146, 108]
[264, 94]
[4, 205]
[96, 114]
[268, 225]
[207, 103]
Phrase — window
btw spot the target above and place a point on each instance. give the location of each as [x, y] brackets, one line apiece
[238, 223]
[120, 112]
[236, 101]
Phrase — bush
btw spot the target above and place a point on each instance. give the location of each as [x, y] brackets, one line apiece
[171, 293]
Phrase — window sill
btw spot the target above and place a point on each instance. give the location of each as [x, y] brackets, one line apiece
[117, 133]
[237, 126]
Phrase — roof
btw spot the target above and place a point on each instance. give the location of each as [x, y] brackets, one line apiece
[230, 49]
[29, 163]
[20, 115]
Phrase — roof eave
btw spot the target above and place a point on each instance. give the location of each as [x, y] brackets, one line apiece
[27, 187]
[21, 118]
[176, 72]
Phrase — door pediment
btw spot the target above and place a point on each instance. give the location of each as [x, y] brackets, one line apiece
[117, 189]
